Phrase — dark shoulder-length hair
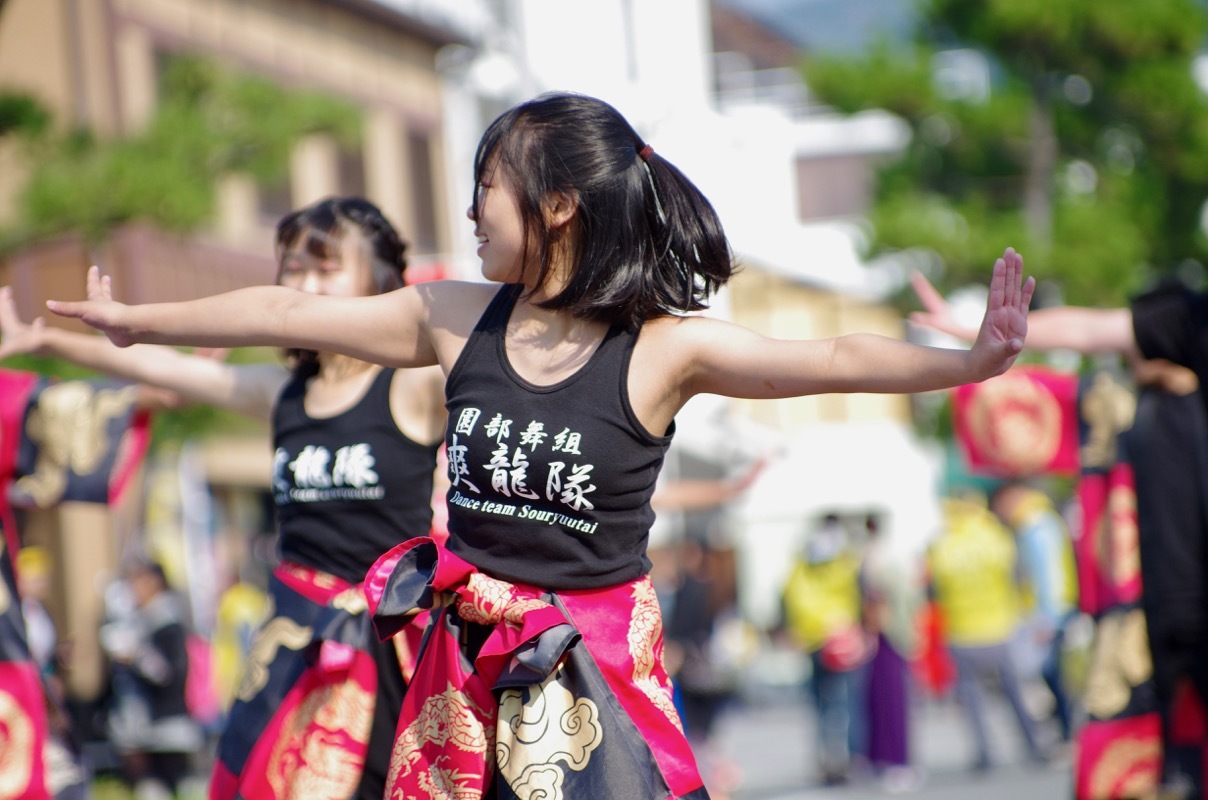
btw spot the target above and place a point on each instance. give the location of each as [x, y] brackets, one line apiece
[645, 241]
[321, 229]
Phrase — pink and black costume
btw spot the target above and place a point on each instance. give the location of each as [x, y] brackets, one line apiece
[316, 708]
[542, 670]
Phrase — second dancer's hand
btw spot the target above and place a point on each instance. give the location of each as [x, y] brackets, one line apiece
[937, 313]
[17, 337]
[100, 310]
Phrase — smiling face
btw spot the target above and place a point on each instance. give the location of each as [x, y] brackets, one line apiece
[499, 228]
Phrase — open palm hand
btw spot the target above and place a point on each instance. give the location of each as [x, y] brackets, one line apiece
[17, 337]
[1005, 325]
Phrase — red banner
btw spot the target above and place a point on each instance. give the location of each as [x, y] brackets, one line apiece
[15, 391]
[1023, 422]
[1118, 758]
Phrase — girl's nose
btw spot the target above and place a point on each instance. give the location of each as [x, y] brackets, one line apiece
[310, 281]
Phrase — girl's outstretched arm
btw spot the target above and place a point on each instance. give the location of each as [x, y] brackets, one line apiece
[247, 389]
[1084, 330]
[732, 361]
[386, 329]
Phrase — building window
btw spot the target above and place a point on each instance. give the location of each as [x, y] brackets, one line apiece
[350, 172]
[276, 199]
[423, 193]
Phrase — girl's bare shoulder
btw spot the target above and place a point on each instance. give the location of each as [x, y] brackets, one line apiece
[684, 330]
[452, 303]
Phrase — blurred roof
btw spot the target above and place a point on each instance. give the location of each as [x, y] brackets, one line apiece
[422, 18]
[736, 30]
[443, 23]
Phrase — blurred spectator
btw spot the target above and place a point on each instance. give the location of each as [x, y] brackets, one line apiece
[1168, 448]
[67, 773]
[1046, 556]
[972, 573]
[33, 584]
[150, 724]
[821, 602]
[704, 682]
[703, 669]
[891, 593]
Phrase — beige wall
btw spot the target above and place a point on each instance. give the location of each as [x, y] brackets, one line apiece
[784, 310]
[33, 53]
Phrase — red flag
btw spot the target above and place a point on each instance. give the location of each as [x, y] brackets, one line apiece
[15, 391]
[1023, 422]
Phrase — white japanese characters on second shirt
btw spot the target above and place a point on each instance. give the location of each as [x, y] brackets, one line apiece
[315, 474]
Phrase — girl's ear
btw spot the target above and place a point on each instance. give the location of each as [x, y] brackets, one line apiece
[560, 208]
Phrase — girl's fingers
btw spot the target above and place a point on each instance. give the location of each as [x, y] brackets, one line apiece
[66, 308]
[1017, 279]
[7, 316]
[998, 283]
[99, 287]
[92, 284]
[1011, 278]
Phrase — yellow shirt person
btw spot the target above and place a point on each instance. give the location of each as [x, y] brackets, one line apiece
[973, 576]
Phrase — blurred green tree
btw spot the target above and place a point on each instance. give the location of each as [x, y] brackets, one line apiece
[1073, 130]
[210, 121]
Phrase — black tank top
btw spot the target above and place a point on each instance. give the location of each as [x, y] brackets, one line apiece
[348, 487]
[549, 485]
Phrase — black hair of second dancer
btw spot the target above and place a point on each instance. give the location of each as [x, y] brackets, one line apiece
[320, 229]
[645, 240]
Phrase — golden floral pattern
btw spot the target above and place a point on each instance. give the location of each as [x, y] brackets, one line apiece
[1126, 769]
[275, 633]
[1121, 660]
[448, 718]
[1017, 420]
[645, 648]
[320, 580]
[70, 425]
[16, 748]
[1108, 409]
[490, 601]
[312, 759]
[540, 738]
[1124, 542]
[351, 601]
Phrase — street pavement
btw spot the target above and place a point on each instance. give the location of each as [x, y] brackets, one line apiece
[768, 736]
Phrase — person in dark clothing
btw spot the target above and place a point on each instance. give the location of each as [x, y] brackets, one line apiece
[703, 683]
[150, 723]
